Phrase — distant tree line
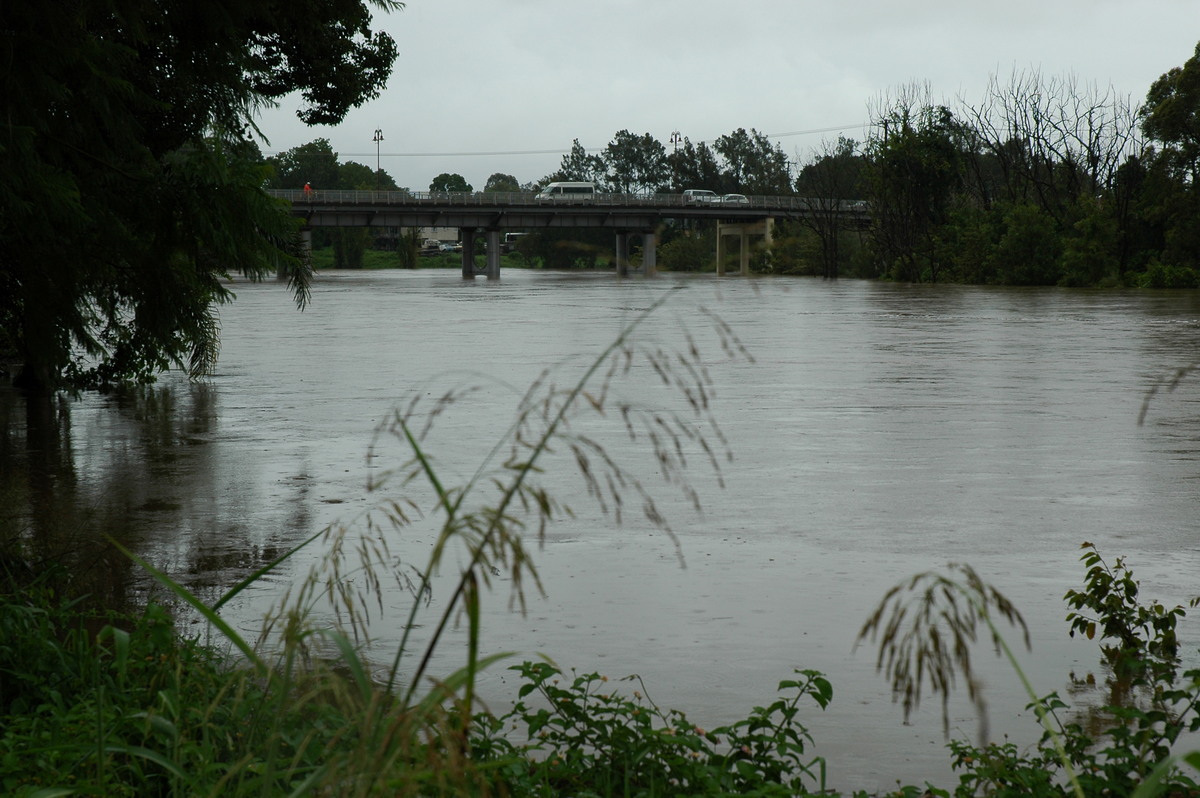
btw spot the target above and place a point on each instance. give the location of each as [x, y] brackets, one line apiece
[1045, 181]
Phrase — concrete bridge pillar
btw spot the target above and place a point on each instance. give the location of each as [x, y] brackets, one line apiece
[649, 252]
[622, 254]
[468, 252]
[743, 232]
[493, 255]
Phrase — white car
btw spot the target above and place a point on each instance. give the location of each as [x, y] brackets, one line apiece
[734, 199]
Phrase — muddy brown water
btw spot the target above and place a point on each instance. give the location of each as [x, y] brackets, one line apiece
[881, 430]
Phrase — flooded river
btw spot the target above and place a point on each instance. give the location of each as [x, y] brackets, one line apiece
[878, 431]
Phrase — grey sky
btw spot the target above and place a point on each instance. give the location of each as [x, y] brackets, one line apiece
[509, 76]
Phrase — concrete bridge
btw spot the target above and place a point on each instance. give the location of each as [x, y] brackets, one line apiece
[625, 214]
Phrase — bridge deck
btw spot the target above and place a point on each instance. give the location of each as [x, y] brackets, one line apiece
[499, 210]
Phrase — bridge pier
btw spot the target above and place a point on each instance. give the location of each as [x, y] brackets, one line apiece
[622, 253]
[649, 252]
[467, 234]
[493, 255]
[743, 232]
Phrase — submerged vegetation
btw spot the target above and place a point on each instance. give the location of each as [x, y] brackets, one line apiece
[96, 704]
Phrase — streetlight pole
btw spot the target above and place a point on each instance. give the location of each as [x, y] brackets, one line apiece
[675, 139]
[378, 138]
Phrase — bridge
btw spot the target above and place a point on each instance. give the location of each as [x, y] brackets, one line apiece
[493, 212]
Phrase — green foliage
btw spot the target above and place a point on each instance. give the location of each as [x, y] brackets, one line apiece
[583, 737]
[635, 163]
[1027, 252]
[698, 166]
[754, 164]
[1123, 748]
[578, 165]
[1161, 275]
[1170, 114]
[500, 182]
[1145, 648]
[349, 246]
[408, 247]
[914, 171]
[1090, 253]
[687, 253]
[449, 182]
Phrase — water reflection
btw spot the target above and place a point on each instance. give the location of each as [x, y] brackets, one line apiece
[132, 467]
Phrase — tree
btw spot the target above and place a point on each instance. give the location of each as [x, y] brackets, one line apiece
[755, 165]
[696, 166]
[635, 163]
[501, 183]
[133, 186]
[828, 182]
[579, 165]
[315, 164]
[450, 182]
[354, 176]
[1171, 114]
[914, 172]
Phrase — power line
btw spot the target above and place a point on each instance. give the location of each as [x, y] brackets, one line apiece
[815, 130]
[493, 153]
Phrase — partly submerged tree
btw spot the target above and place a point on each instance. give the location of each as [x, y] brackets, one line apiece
[132, 184]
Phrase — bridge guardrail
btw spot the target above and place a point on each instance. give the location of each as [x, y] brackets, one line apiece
[518, 198]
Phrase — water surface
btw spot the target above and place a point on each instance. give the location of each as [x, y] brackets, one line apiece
[880, 430]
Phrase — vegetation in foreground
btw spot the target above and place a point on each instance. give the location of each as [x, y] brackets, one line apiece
[137, 709]
[130, 706]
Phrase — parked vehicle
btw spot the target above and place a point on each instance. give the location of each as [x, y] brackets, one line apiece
[568, 192]
[509, 243]
[700, 196]
[734, 199]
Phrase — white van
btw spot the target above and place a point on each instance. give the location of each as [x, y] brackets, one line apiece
[700, 196]
[571, 192]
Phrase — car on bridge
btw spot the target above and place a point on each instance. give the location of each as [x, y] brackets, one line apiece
[700, 196]
[734, 199]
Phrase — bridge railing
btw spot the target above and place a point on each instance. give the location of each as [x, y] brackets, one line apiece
[529, 198]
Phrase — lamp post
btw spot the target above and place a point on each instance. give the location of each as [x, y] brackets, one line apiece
[675, 139]
[378, 138]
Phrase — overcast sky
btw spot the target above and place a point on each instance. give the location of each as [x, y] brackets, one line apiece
[485, 86]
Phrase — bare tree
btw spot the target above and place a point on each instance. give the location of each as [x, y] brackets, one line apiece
[1048, 141]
